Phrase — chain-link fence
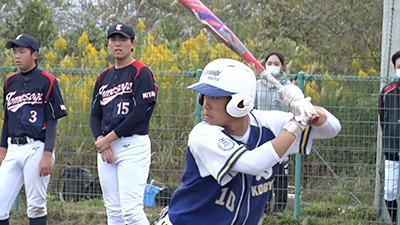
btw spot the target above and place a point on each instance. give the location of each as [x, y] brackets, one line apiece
[341, 180]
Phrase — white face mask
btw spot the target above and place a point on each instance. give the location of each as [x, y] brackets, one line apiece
[398, 73]
[274, 70]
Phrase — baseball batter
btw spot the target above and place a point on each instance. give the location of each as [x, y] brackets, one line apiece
[32, 104]
[124, 98]
[233, 155]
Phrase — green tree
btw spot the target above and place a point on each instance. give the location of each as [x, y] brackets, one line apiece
[31, 17]
[337, 31]
[314, 35]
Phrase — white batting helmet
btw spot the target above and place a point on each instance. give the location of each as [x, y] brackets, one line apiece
[228, 77]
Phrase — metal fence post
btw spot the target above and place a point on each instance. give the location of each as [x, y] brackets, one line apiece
[398, 189]
[198, 107]
[297, 179]
[16, 204]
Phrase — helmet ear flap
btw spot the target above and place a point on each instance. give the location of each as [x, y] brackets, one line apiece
[248, 102]
[240, 105]
[200, 99]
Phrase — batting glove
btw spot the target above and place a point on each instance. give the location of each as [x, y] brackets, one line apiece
[303, 111]
[289, 94]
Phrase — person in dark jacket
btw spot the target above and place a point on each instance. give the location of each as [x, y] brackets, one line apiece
[389, 111]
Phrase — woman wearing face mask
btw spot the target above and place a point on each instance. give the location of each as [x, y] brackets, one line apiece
[389, 111]
[267, 99]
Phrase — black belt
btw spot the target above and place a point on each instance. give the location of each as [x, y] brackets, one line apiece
[19, 140]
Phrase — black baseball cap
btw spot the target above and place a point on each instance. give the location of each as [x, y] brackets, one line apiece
[123, 29]
[24, 40]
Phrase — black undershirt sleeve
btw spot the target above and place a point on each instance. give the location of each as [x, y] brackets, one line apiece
[132, 120]
[50, 139]
[96, 113]
[4, 132]
[95, 125]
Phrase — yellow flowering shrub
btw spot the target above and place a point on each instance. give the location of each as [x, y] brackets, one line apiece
[50, 57]
[158, 57]
[60, 45]
[103, 58]
[91, 57]
[222, 51]
[83, 41]
[140, 26]
[195, 53]
[325, 90]
[355, 65]
[68, 62]
[373, 72]
[189, 55]
[361, 73]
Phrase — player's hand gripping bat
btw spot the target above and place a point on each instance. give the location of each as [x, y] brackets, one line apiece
[226, 36]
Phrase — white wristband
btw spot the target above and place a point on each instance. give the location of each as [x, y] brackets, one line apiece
[294, 128]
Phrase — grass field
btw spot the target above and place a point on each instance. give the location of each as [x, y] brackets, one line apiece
[92, 212]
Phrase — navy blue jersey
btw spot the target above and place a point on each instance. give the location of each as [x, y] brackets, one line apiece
[30, 99]
[213, 191]
[116, 94]
[389, 110]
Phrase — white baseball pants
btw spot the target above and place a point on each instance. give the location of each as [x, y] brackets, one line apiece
[391, 179]
[21, 166]
[123, 182]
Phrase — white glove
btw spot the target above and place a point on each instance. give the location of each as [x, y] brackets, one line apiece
[289, 94]
[303, 111]
[271, 81]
